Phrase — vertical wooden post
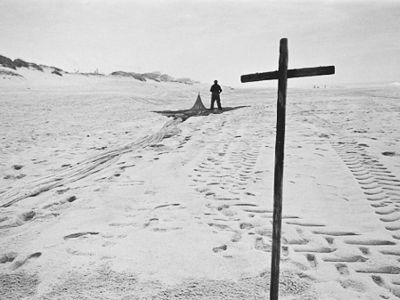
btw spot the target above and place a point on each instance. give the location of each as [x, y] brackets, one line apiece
[282, 75]
[278, 172]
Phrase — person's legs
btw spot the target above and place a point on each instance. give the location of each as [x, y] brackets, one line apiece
[219, 103]
[212, 101]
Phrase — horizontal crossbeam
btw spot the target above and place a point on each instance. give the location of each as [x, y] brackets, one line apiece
[304, 72]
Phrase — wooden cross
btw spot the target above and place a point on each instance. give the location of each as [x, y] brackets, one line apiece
[282, 75]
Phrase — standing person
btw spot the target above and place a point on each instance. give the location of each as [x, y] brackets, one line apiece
[215, 91]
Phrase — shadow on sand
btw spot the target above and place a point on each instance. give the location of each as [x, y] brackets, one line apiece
[198, 109]
[187, 113]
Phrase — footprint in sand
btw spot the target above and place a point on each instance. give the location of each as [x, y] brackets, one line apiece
[389, 153]
[261, 245]
[342, 269]
[78, 253]
[27, 216]
[226, 211]
[8, 257]
[220, 226]
[246, 226]
[19, 263]
[19, 220]
[150, 221]
[220, 248]
[285, 251]
[311, 260]
[71, 199]
[19, 176]
[329, 240]
[236, 237]
[364, 250]
[352, 285]
[378, 280]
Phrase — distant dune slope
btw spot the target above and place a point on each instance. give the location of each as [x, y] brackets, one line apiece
[19, 63]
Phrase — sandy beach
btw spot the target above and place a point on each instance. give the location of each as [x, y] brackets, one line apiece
[103, 197]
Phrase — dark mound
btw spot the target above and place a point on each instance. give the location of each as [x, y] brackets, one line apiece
[155, 76]
[56, 72]
[6, 62]
[19, 63]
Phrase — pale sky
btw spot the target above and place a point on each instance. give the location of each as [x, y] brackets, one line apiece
[207, 40]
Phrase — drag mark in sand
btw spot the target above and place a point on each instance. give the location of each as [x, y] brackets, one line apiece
[85, 168]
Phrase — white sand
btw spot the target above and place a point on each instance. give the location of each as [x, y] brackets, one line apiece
[104, 199]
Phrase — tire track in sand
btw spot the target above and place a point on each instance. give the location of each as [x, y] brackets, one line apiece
[378, 258]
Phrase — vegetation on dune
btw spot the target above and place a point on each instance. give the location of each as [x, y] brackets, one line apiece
[154, 76]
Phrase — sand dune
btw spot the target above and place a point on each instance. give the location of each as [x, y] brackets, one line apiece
[102, 197]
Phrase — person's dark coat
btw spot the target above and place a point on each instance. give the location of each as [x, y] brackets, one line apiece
[215, 89]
